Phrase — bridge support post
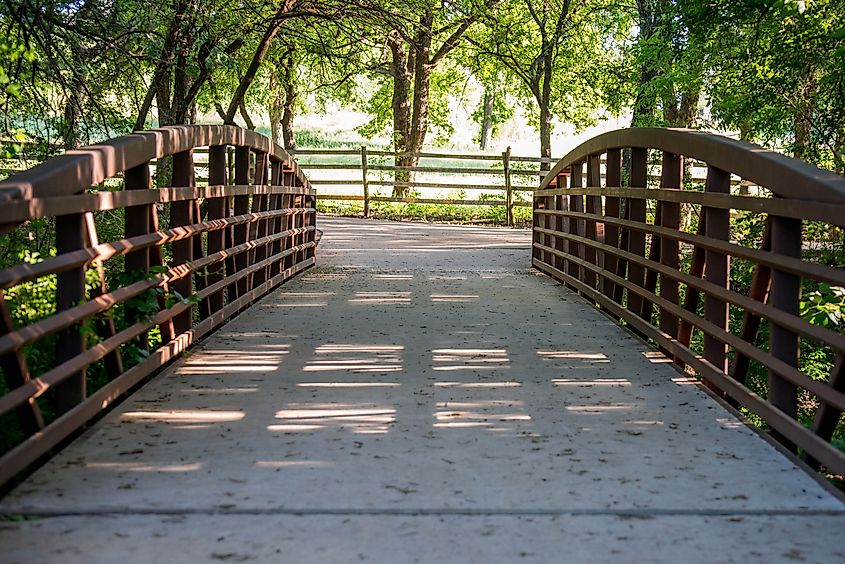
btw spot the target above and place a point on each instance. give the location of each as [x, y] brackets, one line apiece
[217, 209]
[70, 291]
[612, 206]
[636, 211]
[182, 213]
[784, 295]
[670, 249]
[717, 268]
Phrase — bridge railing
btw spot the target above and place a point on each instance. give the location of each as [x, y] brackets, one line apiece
[186, 259]
[658, 258]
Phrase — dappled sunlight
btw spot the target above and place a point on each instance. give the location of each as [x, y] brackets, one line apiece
[323, 277]
[584, 356]
[447, 277]
[657, 357]
[492, 415]
[470, 359]
[280, 464]
[144, 467]
[646, 422]
[381, 298]
[605, 382]
[203, 390]
[232, 361]
[477, 384]
[601, 407]
[454, 297]
[356, 358]
[685, 381]
[393, 276]
[300, 299]
[359, 418]
[348, 385]
[183, 416]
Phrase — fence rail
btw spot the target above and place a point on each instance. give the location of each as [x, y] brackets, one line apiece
[369, 169]
[599, 238]
[181, 268]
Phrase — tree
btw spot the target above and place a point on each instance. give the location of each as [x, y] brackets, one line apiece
[417, 37]
[557, 51]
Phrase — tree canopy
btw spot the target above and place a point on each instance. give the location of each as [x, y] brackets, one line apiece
[74, 72]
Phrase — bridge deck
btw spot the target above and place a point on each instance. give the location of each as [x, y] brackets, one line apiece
[421, 396]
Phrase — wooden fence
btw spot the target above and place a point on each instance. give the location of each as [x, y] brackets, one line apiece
[514, 174]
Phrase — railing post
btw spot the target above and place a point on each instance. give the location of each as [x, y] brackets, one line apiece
[785, 294]
[593, 228]
[182, 213]
[670, 249]
[506, 167]
[70, 291]
[240, 232]
[259, 229]
[636, 212]
[277, 202]
[576, 226]
[561, 223]
[716, 267]
[365, 181]
[217, 209]
[612, 263]
[137, 221]
[290, 221]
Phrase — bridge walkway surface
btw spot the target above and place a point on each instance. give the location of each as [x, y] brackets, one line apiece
[421, 396]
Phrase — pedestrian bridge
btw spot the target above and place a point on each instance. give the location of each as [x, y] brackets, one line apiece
[420, 393]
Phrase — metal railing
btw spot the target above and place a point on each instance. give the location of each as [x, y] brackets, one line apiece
[190, 257]
[621, 247]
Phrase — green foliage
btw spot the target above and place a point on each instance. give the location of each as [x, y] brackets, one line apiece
[825, 306]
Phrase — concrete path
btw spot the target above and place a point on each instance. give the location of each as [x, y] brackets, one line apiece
[421, 396]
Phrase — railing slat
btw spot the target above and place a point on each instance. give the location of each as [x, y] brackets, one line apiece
[636, 212]
[784, 295]
[70, 290]
[182, 213]
[613, 208]
[717, 268]
[670, 250]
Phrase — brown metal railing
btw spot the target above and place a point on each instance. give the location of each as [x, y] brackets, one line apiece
[224, 245]
[621, 247]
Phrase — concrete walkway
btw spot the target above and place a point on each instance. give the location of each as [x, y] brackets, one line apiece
[421, 396]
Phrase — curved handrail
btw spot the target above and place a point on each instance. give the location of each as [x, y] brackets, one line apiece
[784, 176]
[228, 244]
[87, 166]
[620, 247]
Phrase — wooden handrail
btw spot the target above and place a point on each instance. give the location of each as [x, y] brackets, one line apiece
[252, 232]
[619, 245]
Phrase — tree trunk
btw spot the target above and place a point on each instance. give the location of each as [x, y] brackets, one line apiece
[252, 68]
[275, 107]
[546, 113]
[288, 138]
[802, 118]
[487, 118]
[401, 106]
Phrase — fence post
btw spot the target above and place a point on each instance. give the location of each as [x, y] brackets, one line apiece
[365, 182]
[506, 162]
